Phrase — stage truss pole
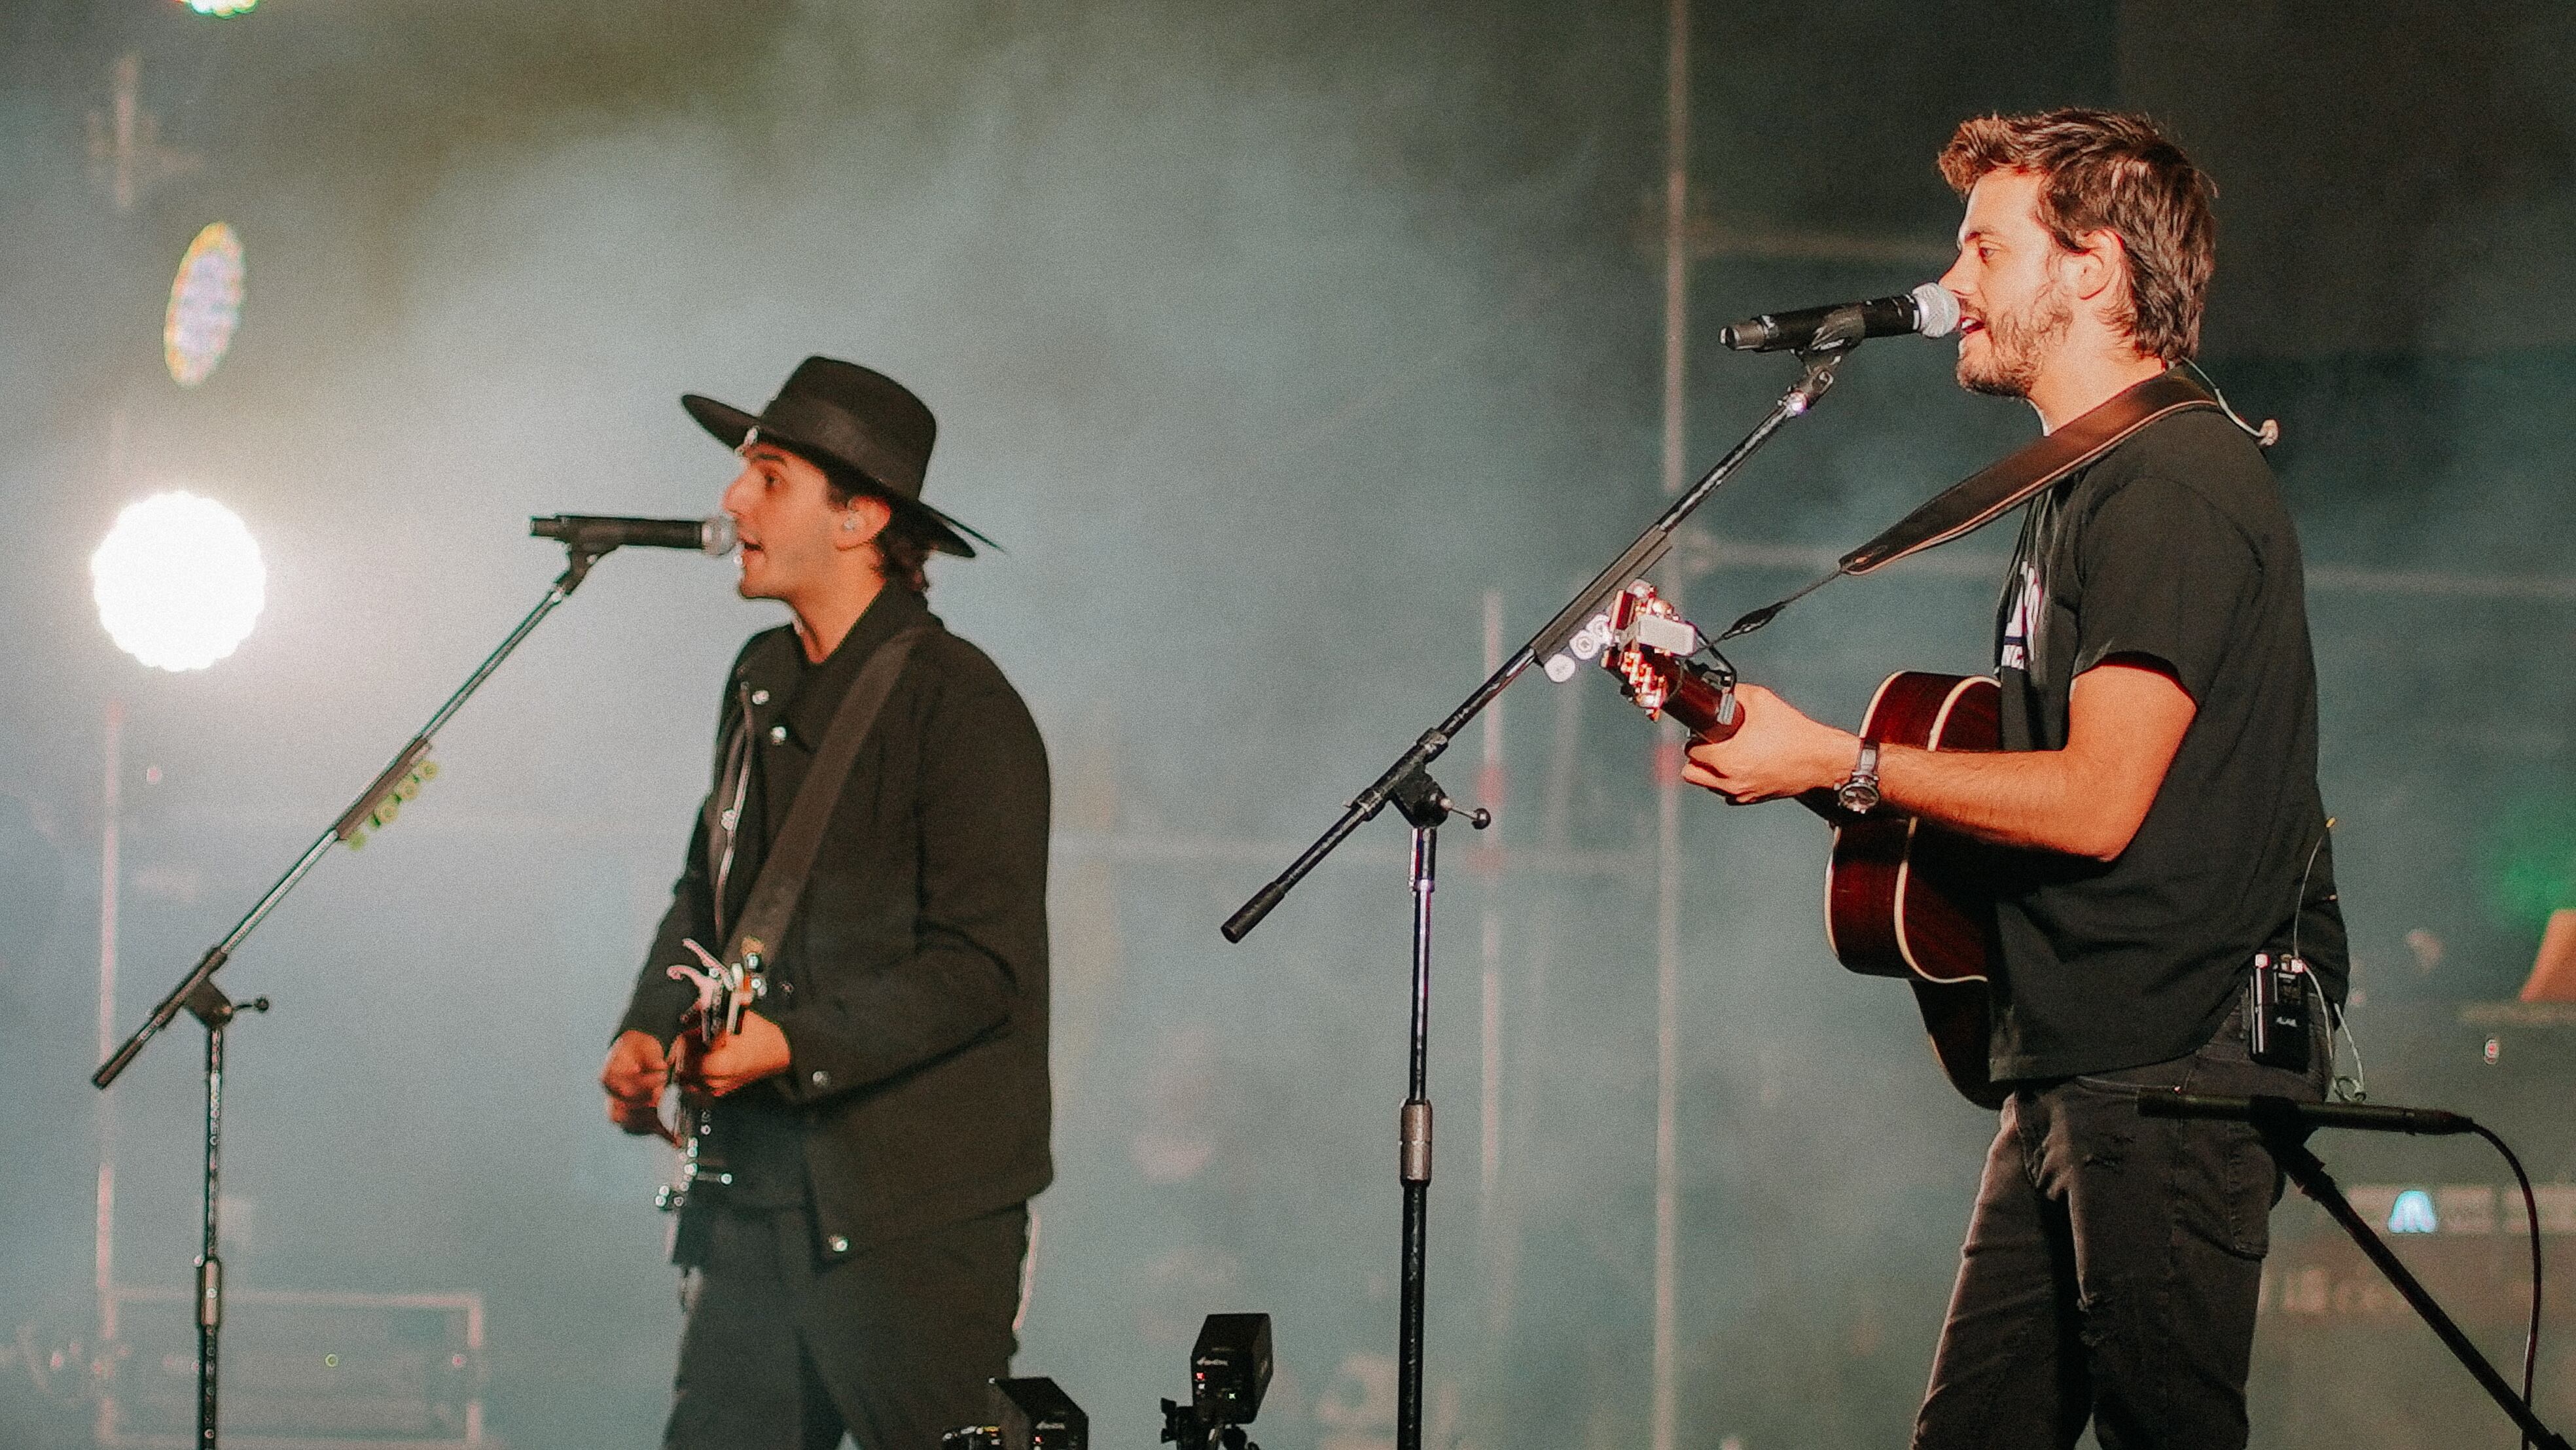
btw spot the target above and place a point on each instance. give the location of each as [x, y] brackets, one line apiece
[1489, 860]
[1667, 748]
[111, 810]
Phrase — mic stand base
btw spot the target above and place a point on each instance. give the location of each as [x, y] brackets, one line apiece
[2290, 1150]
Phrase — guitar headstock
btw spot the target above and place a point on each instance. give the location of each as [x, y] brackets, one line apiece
[1651, 649]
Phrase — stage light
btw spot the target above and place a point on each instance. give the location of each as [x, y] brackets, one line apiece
[2413, 1214]
[221, 9]
[178, 581]
[205, 306]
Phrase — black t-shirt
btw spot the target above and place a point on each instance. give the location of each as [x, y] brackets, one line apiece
[2174, 547]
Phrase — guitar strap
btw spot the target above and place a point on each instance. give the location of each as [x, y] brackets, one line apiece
[1982, 497]
[791, 857]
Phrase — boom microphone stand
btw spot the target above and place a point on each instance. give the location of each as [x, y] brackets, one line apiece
[198, 995]
[1407, 784]
[2285, 1125]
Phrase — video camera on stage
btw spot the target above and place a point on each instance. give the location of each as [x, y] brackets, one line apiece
[1229, 1373]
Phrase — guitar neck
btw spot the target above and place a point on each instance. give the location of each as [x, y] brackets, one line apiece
[1697, 701]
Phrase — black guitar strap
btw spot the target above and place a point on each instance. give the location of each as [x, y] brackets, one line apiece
[791, 857]
[1991, 492]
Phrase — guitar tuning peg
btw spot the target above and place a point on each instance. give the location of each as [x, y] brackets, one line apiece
[428, 770]
[357, 840]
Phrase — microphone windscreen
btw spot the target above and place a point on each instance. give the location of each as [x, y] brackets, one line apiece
[717, 536]
[1937, 308]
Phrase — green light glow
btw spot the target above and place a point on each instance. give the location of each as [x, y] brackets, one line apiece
[2531, 861]
[221, 8]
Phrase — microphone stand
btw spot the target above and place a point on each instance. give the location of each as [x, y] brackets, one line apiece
[1408, 785]
[2286, 1127]
[198, 995]
[2285, 1133]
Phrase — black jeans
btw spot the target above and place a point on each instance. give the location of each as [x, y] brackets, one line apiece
[2113, 1264]
[783, 1351]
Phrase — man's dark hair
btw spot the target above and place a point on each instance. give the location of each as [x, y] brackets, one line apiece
[2105, 169]
[903, 547]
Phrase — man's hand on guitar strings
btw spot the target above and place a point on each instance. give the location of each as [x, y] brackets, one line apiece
[1776, 752]
[737, 1060]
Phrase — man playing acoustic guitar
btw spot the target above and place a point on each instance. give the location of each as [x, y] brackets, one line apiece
[2159, 777]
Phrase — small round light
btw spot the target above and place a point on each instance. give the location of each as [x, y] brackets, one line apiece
[178, 581]
[221, 8]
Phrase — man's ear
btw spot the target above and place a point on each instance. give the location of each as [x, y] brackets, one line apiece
[861, 519]
[2099, 265]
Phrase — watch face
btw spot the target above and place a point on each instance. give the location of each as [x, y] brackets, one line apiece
[1857, 797]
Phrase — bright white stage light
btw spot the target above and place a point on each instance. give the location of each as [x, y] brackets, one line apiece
[178, 582]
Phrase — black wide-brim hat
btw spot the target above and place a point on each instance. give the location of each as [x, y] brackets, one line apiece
[853, 422]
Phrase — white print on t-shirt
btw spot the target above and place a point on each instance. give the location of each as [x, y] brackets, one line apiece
[2014, 654]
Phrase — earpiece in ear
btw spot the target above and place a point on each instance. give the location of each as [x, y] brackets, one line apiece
[849, 523]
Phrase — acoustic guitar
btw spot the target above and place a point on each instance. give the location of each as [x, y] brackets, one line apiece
[1902, 899]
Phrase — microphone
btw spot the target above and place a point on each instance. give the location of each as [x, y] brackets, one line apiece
[1931, 309]
[593, 534]
[2278, 1113]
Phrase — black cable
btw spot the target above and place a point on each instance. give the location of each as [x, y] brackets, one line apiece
[2531, 1211]
[1708, 647]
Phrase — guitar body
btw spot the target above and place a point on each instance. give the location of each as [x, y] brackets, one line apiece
[1907, 900]
[1901, 899]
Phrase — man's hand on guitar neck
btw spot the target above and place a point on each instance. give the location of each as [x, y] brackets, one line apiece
[2125, 719]
[1774, 753]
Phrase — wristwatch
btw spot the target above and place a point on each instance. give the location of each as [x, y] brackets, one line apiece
[1859, 794]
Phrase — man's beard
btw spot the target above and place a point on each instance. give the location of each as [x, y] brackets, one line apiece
[2015, 344]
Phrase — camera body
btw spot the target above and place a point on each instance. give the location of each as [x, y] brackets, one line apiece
[1028, 1414]
[1229, 1373]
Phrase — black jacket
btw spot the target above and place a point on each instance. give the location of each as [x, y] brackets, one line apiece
[912, 984]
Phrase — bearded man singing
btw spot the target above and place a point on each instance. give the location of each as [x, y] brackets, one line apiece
[2159, 769]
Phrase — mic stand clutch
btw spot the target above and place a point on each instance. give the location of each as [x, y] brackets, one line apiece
[197, 993]
[2285, 1132]
[1407, 784]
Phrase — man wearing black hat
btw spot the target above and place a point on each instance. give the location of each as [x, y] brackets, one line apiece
[884, 1108]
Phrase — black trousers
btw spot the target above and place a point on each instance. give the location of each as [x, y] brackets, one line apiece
[892, 1344]
[2113, 1265]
